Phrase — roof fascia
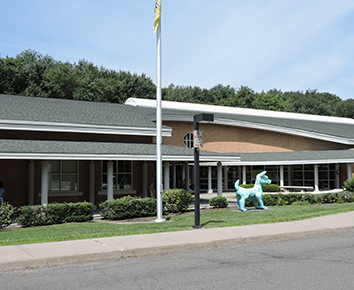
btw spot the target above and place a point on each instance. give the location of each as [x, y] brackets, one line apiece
[236, 110]
[279, 129]
[55, 156]
[81, 128]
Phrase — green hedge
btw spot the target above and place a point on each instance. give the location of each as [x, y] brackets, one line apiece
[218, 202]
[288, 199]
[128, 207]
[177, 200]
[7, 214]
[54, 213]
[265, 187]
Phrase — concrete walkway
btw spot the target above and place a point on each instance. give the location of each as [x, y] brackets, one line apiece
[90, 250]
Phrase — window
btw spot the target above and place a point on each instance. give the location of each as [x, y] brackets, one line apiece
[188, 140]
[122, 174]
[63, 175]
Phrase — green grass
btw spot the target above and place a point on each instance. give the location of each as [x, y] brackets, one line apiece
[209, 219]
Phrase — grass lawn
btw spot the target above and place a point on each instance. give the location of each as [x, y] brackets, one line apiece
[208, 218]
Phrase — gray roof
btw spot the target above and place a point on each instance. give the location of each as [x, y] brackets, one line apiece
[72, 111]
[82, 150]
[316, 127]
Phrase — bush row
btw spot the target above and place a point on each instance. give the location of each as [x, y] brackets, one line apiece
[265, 187]
[173, 201]
[128, 207]
[290, 198]
[7, 214]
[53, 213]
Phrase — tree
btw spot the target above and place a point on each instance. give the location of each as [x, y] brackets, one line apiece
[272, 100]
[345, 108]
[311, 102]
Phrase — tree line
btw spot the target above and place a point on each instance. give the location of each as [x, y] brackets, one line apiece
[32, 74]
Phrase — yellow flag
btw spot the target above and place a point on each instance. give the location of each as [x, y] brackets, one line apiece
[157, 14]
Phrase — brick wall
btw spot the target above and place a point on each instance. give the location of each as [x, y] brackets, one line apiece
[222, 138]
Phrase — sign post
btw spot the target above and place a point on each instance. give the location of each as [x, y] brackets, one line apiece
[198, 143]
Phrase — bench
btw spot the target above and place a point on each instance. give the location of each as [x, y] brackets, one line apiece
[302, 188]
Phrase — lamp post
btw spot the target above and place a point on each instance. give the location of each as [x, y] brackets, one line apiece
[198, 118]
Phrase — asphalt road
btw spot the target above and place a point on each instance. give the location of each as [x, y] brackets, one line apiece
[322, 262]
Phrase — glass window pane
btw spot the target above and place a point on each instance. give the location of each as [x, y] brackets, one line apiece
[69, 182]
[124, 167]
[54, 166]
[104, 166]
[69, 166]
[54, 181]
[125, 181]
[104, 181]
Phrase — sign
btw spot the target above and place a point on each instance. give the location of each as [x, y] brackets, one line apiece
[197, 139]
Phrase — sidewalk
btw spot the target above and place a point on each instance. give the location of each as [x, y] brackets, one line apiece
[31, 256]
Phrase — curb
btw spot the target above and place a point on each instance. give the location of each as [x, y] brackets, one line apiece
[160, 250]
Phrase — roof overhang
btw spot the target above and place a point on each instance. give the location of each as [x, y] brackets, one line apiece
[82, 150]
[81, 128]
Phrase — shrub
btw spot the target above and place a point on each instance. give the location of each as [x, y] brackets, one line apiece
[349, 184]
[31, 216]
[177, 200]
[55, 213]
[7, 214]
[128, 207]
[218, 202]
[265, 187]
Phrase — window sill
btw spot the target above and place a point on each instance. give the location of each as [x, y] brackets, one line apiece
[62, 193]
[118, 192]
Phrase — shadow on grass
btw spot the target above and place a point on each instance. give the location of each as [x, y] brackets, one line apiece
[209, 222]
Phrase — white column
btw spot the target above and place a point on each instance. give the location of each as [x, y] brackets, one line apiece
[243, 174]
[44, 187]
[210, 189]
[166, 169]
[337, 176]
[109, 180]
[226, 178]
[92, 182]
[350, 172]
[187, 176]
[192, 177]
[219, 179]
[316, 178]
[145, 180]
[174, 176]
[31, 183]
[281, 183]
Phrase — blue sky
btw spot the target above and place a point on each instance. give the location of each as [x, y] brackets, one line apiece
[285, 44]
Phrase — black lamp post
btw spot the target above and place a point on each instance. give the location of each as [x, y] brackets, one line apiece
[198, 118]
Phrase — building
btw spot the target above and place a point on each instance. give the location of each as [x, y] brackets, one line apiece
[55, 150]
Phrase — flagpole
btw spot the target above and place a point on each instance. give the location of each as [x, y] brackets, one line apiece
[159, 128]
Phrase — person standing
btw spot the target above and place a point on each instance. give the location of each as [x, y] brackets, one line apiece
[2, 192]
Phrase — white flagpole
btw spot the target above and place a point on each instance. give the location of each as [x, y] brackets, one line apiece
[159, 129]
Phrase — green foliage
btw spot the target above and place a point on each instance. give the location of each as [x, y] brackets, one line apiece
[32, 74]
[128, 207]
[7, 214]
[177, 200]
[349, 184]
[265, 187]
[281, 199]
[55, 213]
[218, 202]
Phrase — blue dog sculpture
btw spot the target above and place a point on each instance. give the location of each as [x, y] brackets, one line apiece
[255, 193]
